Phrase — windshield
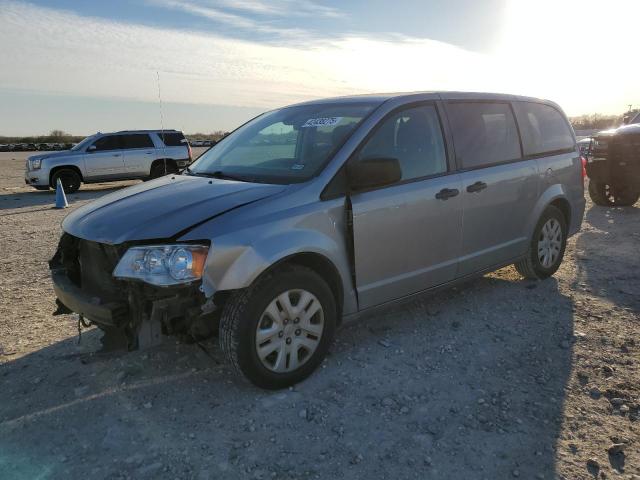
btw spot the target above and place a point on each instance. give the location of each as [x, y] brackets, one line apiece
[284, 146]
[83, 143]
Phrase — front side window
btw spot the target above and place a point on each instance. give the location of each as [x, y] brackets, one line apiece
[137, 140]
[483, 133]
[284, 146]
[110, 142]
[413, 137]
[82, 144]
[543, 128]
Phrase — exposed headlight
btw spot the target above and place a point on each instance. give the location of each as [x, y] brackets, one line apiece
[163, 264]
[35, 163]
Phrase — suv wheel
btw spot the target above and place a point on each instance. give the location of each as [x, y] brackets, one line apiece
[608, 196]
[278, 331]
[160, 170]
[547, 246]
[70, 180]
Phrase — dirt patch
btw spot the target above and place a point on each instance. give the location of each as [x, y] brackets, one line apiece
[499, 378]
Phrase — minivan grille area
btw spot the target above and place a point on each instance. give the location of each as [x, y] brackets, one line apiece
[90, 265]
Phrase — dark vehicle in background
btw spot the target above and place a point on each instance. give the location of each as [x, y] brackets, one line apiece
[613, 166]
[4, 148]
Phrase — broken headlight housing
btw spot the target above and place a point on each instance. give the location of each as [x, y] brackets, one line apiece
[163, 265]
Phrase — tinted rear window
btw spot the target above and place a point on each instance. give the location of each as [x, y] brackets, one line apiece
[483, 133]
[137, 140]
[543, 128]
[172, 139]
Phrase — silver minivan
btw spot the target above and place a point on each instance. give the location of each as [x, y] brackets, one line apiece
[314, 214]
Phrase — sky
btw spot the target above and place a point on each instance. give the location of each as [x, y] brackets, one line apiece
[86, 66]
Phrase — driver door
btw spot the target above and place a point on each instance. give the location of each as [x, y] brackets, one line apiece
[407, 236]
[104, 158]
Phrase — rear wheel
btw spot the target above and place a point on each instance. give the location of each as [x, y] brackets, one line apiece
[547, 246]
[70, 180]
[276, 332]
[162, 168]
[611, 196]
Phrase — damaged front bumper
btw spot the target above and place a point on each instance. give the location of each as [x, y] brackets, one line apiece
[138, 313]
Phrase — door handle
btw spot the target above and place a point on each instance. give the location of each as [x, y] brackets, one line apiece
[476, 187]
[148, 153]
[116, 154]
[446, 193]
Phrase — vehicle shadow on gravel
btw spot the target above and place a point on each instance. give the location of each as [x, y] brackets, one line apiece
[468, 383]
[47, 199]
[609, 246]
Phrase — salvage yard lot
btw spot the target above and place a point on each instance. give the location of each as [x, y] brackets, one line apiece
[498, 378]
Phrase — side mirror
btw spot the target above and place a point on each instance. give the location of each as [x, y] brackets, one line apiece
[372, 172]
[92, 148]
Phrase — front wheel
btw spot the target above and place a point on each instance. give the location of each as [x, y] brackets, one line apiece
[547, 246]
[277, 332]
[70, 180]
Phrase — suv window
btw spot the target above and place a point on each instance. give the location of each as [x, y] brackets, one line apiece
[172, 139]
[137, 140]
[109, 142]
[483, 133]
[414, 137]
[543, 128]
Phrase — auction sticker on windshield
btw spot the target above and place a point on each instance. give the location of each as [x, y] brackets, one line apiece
[322, 122]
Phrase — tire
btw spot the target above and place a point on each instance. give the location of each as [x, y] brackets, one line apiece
[158, 169]
[536, 265]
[71, 179]
[609, 196]
[626, 198]
[245, 315]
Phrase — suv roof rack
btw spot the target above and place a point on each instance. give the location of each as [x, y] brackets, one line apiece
[149, 131]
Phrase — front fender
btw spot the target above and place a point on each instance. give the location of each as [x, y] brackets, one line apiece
[235, 265]
[70, 161]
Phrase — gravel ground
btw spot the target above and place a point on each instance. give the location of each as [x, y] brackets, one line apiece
[499, 378]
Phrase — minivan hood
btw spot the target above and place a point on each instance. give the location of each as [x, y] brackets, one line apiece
[161, 208]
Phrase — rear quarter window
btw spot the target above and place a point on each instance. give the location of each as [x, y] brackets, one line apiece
[172, 139]
[543, 129]
[484, 133]
[137, 140]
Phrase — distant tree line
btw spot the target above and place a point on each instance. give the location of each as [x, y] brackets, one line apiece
[56, 136]
[60, 136]
[595, 121]
[217, 135]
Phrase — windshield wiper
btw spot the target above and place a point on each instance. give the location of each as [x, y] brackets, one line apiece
[219, 174]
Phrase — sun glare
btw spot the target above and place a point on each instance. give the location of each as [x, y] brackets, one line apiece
[571, 51]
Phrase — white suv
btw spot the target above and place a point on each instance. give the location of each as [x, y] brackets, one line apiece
[105, 157]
